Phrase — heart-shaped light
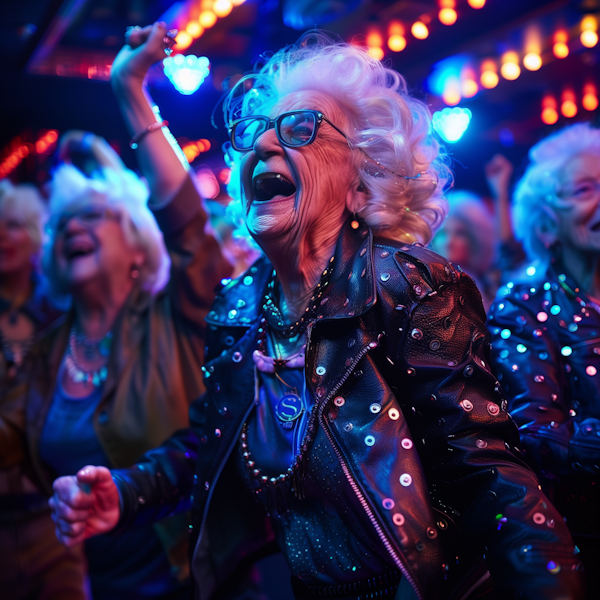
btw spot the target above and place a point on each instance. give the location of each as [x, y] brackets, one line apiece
[451, 123]
[186, 73]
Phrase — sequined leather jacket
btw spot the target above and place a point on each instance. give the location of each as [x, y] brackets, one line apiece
[398, 354]
[546, 351]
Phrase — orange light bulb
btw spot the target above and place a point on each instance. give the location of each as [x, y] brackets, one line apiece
[419, 30]
[588, 38]
[183, 40]
[447, 16]
[589, 101]
[222, 8]
[207, 19]
[476, 3]
[549, 115]
[532, 61]
[397, 43]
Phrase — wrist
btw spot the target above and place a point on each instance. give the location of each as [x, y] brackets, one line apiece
[127, 84]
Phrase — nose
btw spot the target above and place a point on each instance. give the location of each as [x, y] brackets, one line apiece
[72, 226]
[267, 144]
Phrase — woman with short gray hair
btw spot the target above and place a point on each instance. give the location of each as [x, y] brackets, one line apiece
[545, 327]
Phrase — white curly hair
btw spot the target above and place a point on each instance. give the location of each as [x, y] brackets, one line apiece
[390, 126]
[25, 204]
[127, 195]
[536, 193]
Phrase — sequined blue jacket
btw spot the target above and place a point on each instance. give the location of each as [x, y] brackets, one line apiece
[439, 478]
[546, 351]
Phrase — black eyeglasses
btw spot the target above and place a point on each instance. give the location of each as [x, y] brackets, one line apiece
[294, 129]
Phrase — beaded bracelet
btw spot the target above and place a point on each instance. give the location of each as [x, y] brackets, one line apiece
[138, 137]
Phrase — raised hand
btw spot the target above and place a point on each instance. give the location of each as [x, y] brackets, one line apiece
[145, 46]
[84, 505]
[498, 173]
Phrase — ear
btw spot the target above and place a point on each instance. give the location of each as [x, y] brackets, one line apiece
[139, 259]
[357, 196]
[546, 227]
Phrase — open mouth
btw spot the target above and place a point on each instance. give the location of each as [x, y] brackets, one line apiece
[267, 186]
[77, 250]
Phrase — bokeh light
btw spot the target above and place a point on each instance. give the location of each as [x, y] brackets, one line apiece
[549, 115]
[396, 42]
[532, 61]
[568, 108]
[447, 16]
[194, 29]
[510, 68]
[222, 8]
[419, 30]
[451, 123]
[186, 73]
[589, 38]
[376, 53]
[183, 40]
[207, 19]
[589, 101]
[476, 3]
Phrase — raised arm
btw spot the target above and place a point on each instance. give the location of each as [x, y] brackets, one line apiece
[160, 159]
[498, 173]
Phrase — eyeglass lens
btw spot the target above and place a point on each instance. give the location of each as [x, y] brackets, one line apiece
[293, 129]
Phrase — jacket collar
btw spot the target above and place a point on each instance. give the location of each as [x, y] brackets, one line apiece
[350, 291]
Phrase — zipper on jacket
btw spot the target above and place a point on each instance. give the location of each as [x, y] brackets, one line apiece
[479, 582]
[359, 495]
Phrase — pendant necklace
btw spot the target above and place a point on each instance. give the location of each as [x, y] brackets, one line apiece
[289, 407]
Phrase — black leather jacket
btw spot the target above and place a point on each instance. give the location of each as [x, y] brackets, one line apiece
[400, 328]
[546, 351]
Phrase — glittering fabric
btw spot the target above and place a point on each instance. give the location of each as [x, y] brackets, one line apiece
[325, 535]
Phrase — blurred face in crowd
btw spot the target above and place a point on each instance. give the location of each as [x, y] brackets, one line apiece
[454, 242]
[578, 204]
[90, 244]
[298, 193]
[17, 249]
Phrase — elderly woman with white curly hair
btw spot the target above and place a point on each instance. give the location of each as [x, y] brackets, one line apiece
[116, 376]
[350, 414]
[546, 330]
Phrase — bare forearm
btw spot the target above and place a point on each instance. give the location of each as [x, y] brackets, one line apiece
[504, 220]
[157, 158]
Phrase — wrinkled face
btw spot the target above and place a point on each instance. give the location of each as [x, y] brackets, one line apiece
[90, 244]
[454, 243]
[17, 249]
[290, 192]
[578, 207]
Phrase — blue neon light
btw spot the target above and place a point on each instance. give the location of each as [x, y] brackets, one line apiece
[186, 73]
[451, 123]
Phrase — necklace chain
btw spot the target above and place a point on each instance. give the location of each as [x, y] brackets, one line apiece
[272, 317]
[92, 349]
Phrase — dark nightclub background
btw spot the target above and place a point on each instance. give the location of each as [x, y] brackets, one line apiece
[57, 56]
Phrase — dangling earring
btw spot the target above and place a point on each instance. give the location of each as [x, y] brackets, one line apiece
[135, 272]
[354, 223]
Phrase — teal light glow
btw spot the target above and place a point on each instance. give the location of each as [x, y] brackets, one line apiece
[451, 123]
[505, 334]
[186, 73]
[566, 350]
[521, 348]
[530, 271]
[555, 309]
